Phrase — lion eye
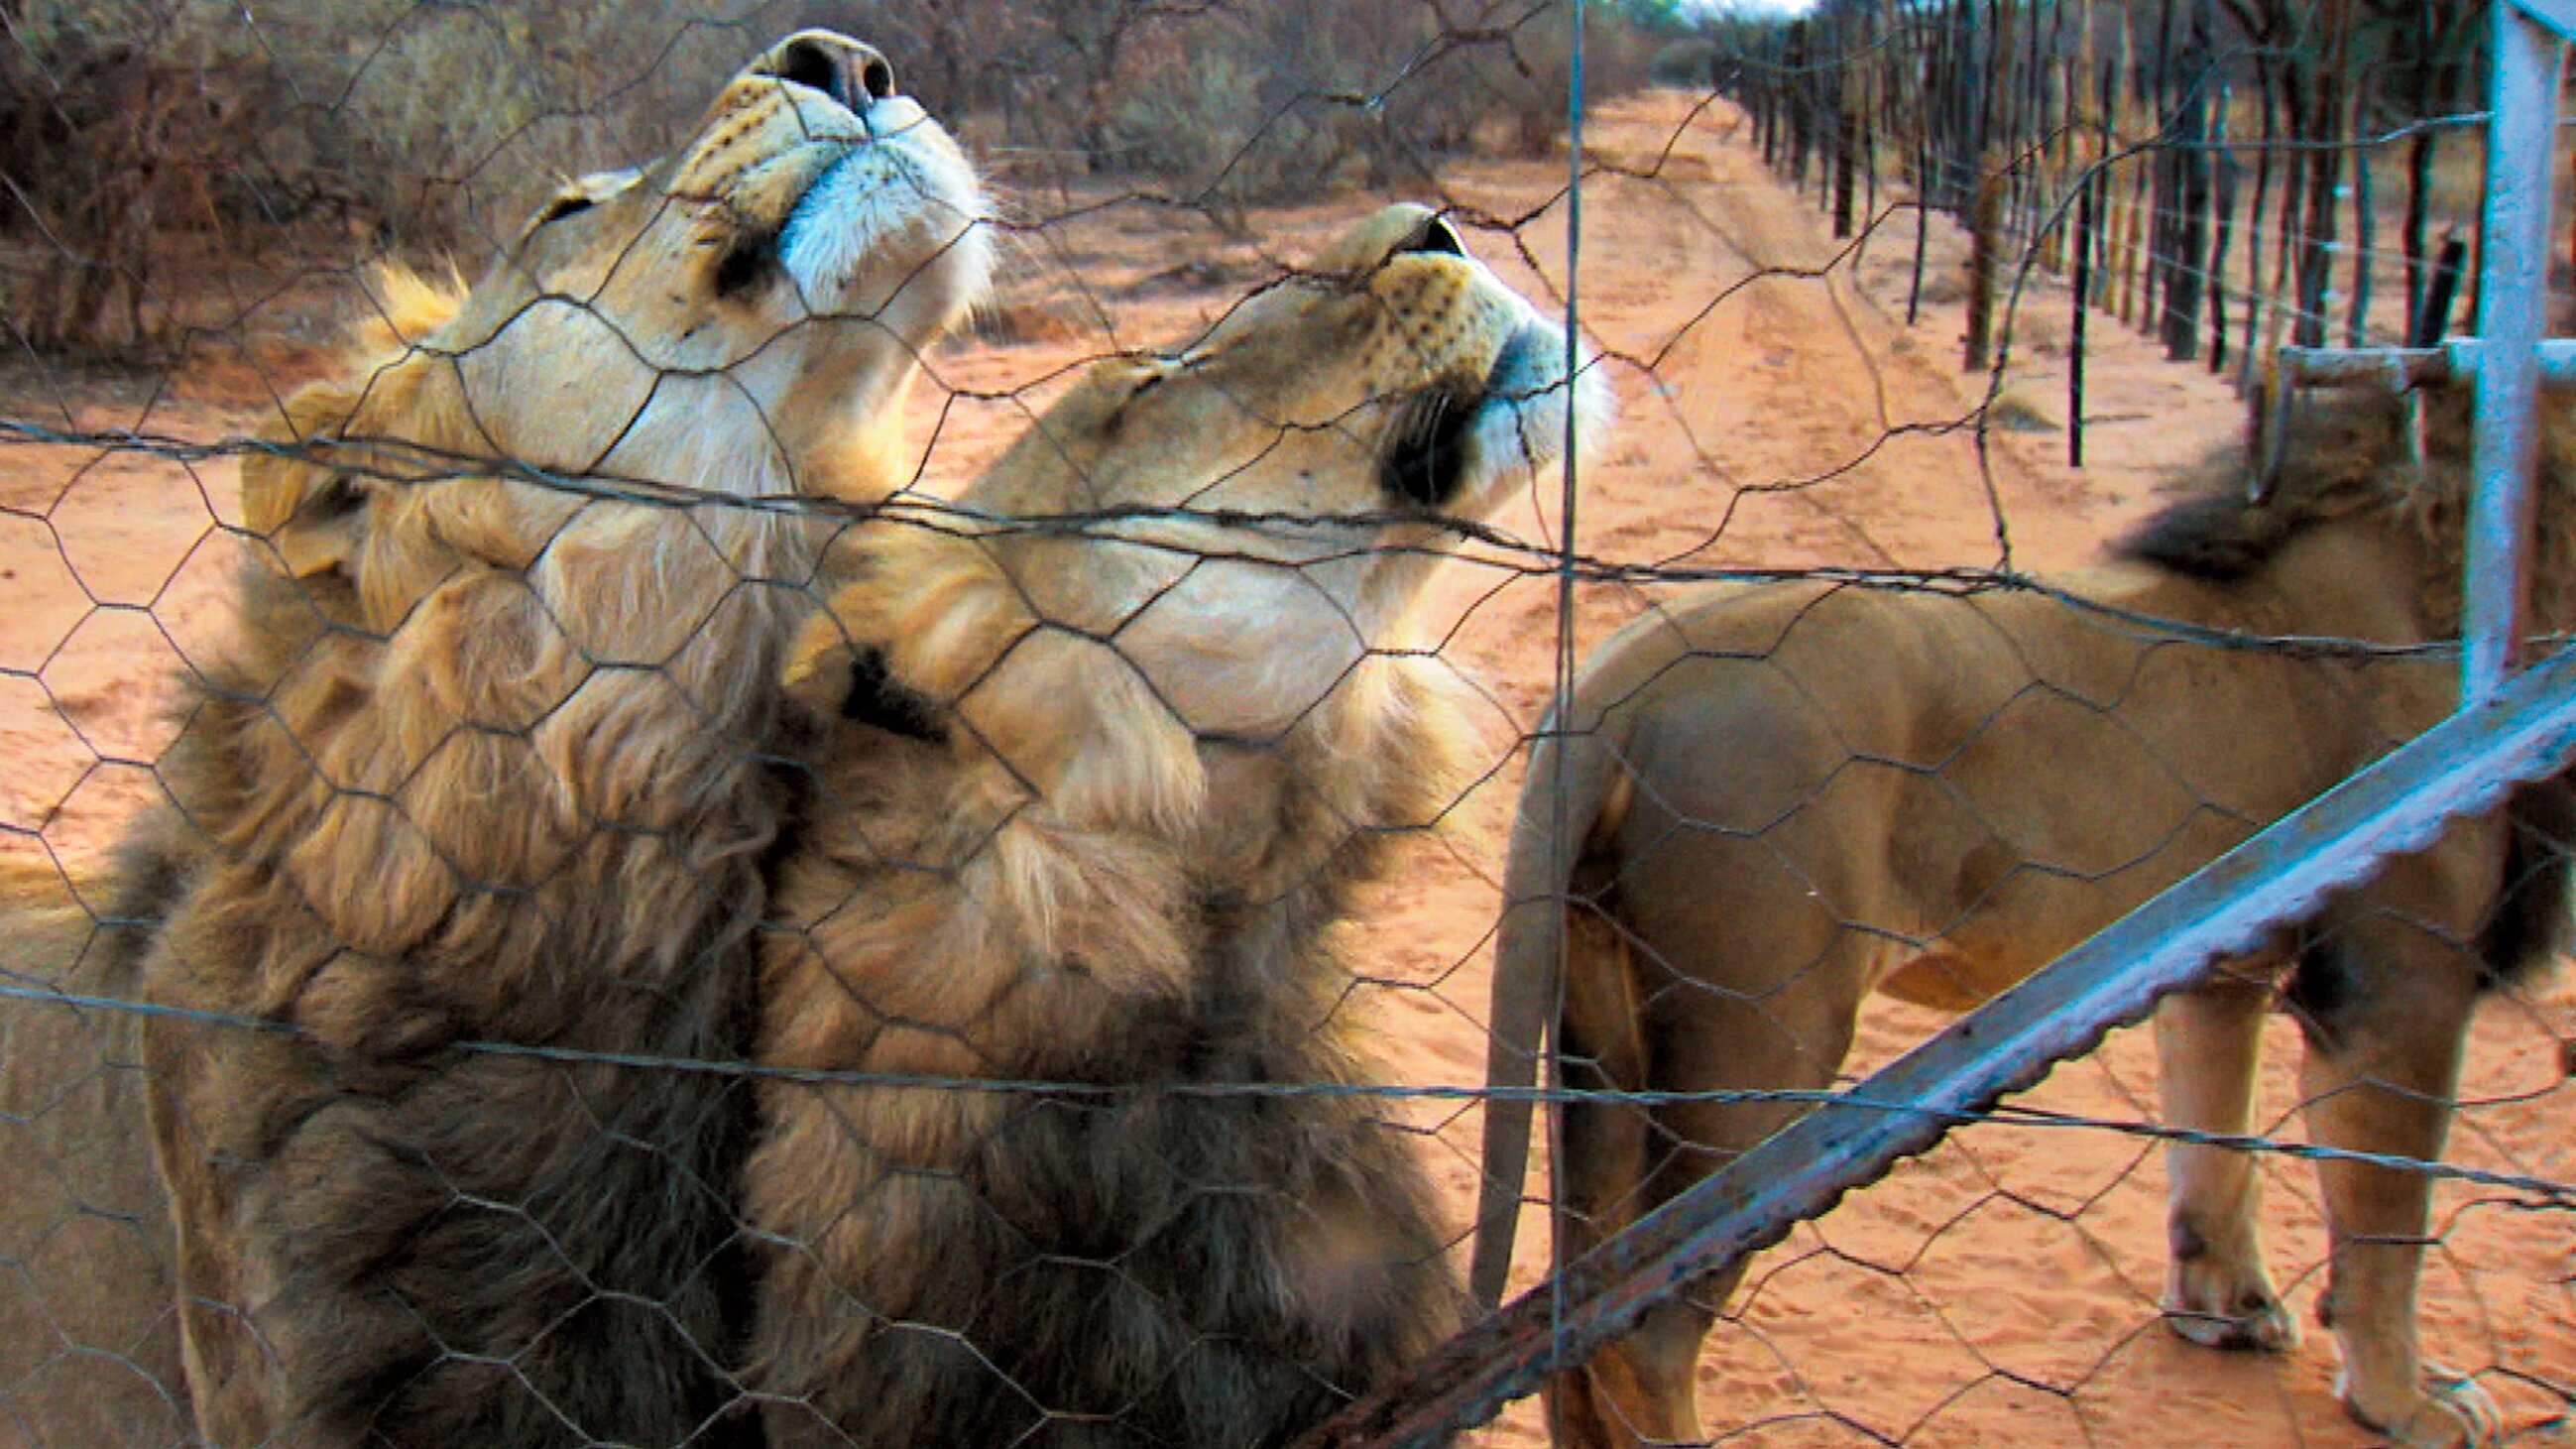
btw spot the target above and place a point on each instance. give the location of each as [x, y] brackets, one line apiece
[568, 204]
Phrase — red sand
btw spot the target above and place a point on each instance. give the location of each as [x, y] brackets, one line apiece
[2001, 1289]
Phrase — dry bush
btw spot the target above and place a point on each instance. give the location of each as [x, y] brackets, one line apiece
[1228, 103]
[138, 133]
[1373, 93]
[108, 142]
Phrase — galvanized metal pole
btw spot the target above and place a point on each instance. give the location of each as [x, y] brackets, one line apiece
[2513, 267]
[2398, 368]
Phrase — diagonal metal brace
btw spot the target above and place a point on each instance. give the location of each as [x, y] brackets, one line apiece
[2467, 764]
[2558, 15]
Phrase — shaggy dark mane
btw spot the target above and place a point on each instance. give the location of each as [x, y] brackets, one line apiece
[2344, 451]
[2215, 537]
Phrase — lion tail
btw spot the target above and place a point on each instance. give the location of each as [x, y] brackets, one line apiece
[1574, 781]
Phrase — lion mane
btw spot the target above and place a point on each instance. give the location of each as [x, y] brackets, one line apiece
[1067, 1140]
[1779, 798]
[468, 833]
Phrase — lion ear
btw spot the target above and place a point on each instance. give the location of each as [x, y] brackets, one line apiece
[309, 512]
[817, 671]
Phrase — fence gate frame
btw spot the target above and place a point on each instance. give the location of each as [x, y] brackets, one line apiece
[2510, 728]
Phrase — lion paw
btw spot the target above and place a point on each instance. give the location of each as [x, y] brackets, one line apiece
[2450, 1411]
[2218, 1310]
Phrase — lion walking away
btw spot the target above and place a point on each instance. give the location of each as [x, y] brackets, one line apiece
[1777, 799]
[480, 796]
[1108, 768]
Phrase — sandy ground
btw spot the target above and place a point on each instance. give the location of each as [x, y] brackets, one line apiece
[1775, 411]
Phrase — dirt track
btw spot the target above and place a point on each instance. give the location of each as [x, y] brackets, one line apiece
[1776, 412]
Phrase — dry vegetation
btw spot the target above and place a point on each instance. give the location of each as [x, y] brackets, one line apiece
[149, 147]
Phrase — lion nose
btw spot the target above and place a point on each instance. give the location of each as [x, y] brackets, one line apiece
[839, 67]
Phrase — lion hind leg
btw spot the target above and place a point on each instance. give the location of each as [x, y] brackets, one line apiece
[2218, 1294]
[2386, 1007]
[1600, 1151]
[1686, 1036]
[1640, 1390]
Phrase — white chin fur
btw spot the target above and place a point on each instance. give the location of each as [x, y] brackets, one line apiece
[906, 187]
[1523, 421]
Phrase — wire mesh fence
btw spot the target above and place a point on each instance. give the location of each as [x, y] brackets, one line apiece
[909, 778]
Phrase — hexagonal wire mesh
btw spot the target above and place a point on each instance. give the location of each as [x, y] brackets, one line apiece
[864, 796]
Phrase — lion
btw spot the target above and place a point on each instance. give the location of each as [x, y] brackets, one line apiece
[1777, 798]
[478, 805]
[89, 1331]
[1062, 1139]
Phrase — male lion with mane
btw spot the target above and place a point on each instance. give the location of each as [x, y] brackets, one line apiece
[1779, 798]
[481, 792]
[1119, 737]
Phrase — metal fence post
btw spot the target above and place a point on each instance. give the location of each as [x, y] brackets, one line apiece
[2513, 271]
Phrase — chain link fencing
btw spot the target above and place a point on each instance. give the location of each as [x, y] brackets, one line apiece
[871, 791]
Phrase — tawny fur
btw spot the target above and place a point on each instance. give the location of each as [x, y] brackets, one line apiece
[484, 776]
[1777, 799]
[1061, 860]
[89, 1321]
[478, 828]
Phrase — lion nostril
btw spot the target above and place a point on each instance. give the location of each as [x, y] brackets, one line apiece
[853, 74]
[807, 64]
